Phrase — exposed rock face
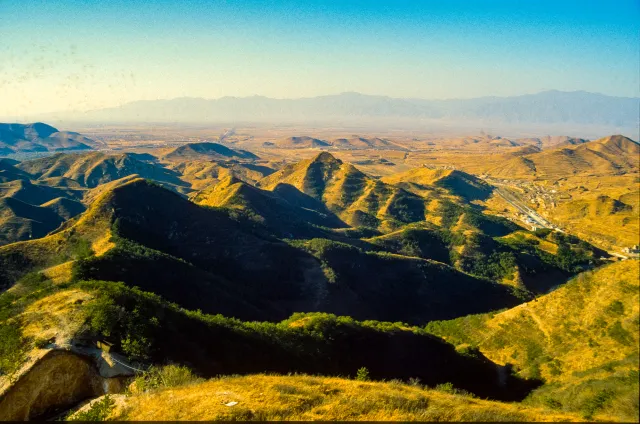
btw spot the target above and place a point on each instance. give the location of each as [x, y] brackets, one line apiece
[59, 380]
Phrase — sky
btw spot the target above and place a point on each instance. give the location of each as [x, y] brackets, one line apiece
[88, 54]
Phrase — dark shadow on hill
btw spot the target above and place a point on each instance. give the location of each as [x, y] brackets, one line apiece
[264, 170]
[297, 198]
[466, 186]
[271, 276]
[306, 343]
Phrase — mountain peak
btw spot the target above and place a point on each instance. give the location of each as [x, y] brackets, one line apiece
[326, 157]
[620, 143]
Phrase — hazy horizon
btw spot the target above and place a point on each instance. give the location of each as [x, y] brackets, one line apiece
[96, 54]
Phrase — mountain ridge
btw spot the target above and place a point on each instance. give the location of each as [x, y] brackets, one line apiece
[545, 107]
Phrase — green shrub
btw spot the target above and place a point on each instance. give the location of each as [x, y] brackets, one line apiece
[596, 403]
[446, 388]
[99, 411]
[616, 308]
[363, 374]
[81, 249]
[619, 334]
[542, 232]
[41, 343]
[551, 403]
[165, 376]
[13, 347]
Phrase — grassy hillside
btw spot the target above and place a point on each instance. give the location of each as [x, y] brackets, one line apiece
[301, 142]
[490, 248]
[150, 330]
[203, 258]
[307, 398]
[202, 174]
[607, 156]
[357, 199]
[456, 183]
[356, 142]
[210, 150]
[582, 339]
[93, 169]
[591, 208]
[269, 208]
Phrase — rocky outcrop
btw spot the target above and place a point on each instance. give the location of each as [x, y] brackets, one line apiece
[56, 382]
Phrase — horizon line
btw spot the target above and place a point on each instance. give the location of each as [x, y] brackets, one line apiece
[318, 96]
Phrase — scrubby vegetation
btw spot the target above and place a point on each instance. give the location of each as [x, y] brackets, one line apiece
[305, 397]
[145, 327]
[98, 411]
[582, 339]
[191, 292]
[13, 344]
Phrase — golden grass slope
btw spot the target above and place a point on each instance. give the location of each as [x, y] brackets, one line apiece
[603, 210]
[613, 155]
[301, 397]
[91, 230]
[582, 326]
[93, 169]
[356, 198]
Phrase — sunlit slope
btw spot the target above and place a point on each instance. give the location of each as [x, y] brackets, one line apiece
[299, 142]
[308, 398]
[611, 155]
[93, 169]
[356, 142]
[590, 321]
[603, 219]
[456, 183]
[269, 208]
[202, 173]
[356, 198]
[223, 261]
[208, 150]
[582, 338]
[144, 327]
[88, 233]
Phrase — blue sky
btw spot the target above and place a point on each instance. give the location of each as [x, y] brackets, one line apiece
[84, 54]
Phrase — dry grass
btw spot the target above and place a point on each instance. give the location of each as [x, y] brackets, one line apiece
[571, 327]
[59, 273]
[542, 244]
[58, 316]
[266, 397]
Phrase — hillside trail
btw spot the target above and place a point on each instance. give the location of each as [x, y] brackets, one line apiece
[538, 322]
[541, 326]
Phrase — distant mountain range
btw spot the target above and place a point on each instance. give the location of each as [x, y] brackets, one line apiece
[549, 107]
[39, 137]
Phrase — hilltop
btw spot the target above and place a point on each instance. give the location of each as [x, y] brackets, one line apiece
[298, 143]
[40, 137]
[353, 196]
[93, 169]
[162, 242]
[457, 183]
[356, 142]
[606, 156]
[209, 150]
